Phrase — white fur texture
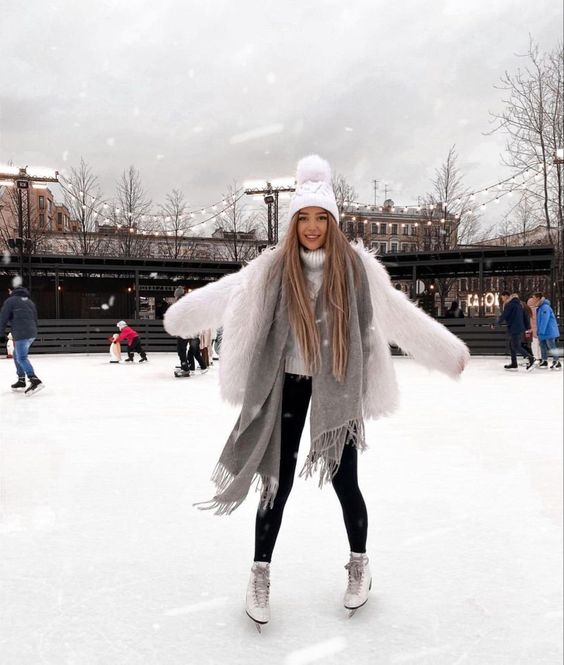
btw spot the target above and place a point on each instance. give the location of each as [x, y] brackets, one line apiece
[314, 168]
[236, 302]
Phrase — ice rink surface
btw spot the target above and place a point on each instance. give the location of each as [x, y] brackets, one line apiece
[104, 561]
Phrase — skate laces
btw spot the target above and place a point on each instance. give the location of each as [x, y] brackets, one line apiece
[356, 569]
[261, 585]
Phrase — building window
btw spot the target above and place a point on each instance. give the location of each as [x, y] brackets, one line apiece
[49, 205]
[59, 218]
[405, 229]
[394, 229]
[374, 228]
[383, 247]
[394, 247]
[41, 202]
[374, 245]
[360, 228]
[41, 221]
[383, 229]
[404, 247]
[413, 230]
[350, 228]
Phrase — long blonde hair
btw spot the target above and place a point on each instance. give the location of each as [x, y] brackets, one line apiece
[334, 292]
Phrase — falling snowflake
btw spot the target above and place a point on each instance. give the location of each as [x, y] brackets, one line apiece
[6, 258]
[17, 281]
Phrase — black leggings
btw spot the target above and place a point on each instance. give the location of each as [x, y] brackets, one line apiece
[295, 402]
[135, 346]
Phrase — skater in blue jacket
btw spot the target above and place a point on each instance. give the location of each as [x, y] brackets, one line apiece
[547, 331]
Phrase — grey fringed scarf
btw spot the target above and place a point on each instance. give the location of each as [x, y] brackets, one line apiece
[252, 451]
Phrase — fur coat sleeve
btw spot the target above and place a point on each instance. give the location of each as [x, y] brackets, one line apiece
[209, 306]
[407, 326]
[203, 308]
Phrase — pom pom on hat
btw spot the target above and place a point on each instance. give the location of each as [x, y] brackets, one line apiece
[313, 168]
[313, 187]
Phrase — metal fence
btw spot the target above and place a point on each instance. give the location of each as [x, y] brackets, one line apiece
[91, 335]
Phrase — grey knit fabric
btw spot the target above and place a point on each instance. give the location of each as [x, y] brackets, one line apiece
[252, 451]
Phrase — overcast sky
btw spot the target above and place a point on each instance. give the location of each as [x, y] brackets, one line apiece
[198, 94]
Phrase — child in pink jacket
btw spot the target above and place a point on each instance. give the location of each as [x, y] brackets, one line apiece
[133, 343]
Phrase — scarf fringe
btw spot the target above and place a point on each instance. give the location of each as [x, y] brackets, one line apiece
[222, 479]
[326, 450]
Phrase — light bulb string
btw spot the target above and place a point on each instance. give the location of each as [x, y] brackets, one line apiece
[474, 205]
[226, 201]
[468, 195]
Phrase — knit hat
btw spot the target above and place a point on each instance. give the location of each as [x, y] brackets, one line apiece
[178, 292]
[121, 324]
[313, 187]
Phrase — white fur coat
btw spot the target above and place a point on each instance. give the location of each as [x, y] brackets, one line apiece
[235, 302]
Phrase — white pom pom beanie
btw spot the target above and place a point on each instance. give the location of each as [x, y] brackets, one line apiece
[313, 187]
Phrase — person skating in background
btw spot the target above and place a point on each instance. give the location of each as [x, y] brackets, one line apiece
[217, 341]
[547, 331]
[183, 370]
[205, 346]
[310, 320]
[20, 313]
[455, 311]
[535, 344]
[527, 339]
[517, 321]
[127, 334]
[195, 355]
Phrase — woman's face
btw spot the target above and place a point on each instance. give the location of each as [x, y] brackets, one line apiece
[312, 227]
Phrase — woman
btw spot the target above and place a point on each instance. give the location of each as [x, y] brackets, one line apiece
[308, 320]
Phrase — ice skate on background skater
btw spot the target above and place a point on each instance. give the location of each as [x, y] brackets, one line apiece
[309, 322]
[20, 313]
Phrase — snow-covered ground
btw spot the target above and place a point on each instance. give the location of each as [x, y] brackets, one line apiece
[104, 561]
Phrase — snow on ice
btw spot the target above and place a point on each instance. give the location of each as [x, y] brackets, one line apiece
[101, 545]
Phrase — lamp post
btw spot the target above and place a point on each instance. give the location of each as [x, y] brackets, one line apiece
[270, 193]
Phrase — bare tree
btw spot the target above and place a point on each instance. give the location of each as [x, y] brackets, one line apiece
[83, 202]
[450, 204]
[175, 226]
[345, 194]
[131, 215]
[526, 217]
[238, 226]
[532, 122]
[448, 216]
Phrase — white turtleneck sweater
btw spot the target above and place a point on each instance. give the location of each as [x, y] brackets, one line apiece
[312, 264]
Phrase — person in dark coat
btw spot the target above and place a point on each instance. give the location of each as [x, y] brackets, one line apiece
[455, 311]
[181, 343]
[19, 312]
[517, 321]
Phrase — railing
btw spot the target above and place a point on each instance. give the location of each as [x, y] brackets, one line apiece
[91, 335]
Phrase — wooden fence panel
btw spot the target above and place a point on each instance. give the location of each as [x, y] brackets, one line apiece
[91, 335]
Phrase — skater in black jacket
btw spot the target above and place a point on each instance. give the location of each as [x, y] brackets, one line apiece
[20, 313]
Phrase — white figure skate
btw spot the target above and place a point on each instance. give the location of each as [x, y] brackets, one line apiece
[359, 583]
[258, 594]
